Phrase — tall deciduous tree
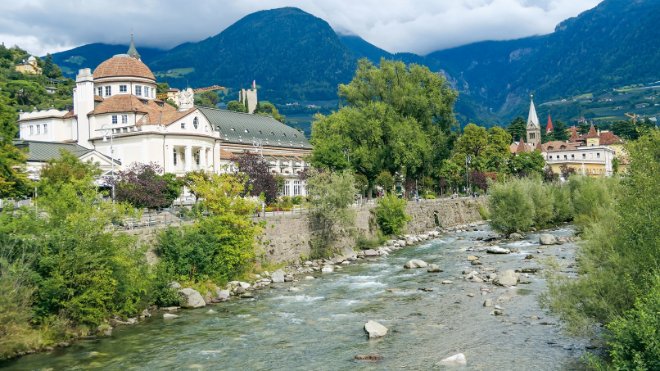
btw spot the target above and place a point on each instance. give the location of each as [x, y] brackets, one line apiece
[260, 181]
[394, 117]
[517, 129]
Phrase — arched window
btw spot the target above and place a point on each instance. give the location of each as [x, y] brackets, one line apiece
[195, 122]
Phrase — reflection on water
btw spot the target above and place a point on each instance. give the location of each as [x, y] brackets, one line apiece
[320, 326]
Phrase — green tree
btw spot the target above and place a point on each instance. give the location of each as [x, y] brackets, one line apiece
[527, 164]
[330, 216]
[452, 174]
[391, 215]
[50, 69]
[236, 106]
[207, 99]
[560, 132]
[390, 115]
[268, 109]
[517, 129]
[386, 181]
[511, 208]
[497, 152]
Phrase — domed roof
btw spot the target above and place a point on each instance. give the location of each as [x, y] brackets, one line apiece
[123, 65]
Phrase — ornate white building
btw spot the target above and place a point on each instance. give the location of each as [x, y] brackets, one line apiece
[116, 118]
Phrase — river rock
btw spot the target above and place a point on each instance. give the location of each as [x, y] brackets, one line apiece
[174, 285]
[277, 276]
[191, 298]
[222, 295]
[104, 329]
[327, 269]
[497, 250]
[370, 253]
[507, 278]
[547, 239]
[375, 329]
[309, 278]
[434, 268]
[455, 360]
[516, 236]
[415, 263]
[447, 282]
[488, 303]
[471, 258]
[170, 316]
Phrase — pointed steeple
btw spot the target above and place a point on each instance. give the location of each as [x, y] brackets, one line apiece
[532, 119]
[132, 51]
[522, 147]
[592, 132]
[548, 127]
[574, 134]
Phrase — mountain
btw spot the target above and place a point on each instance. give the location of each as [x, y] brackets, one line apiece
[91, 55]
[291, 54]
[363, 49]
[612, 45]
[295, 56]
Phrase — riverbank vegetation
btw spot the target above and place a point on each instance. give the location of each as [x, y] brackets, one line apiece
[619, 267]
[65, 271]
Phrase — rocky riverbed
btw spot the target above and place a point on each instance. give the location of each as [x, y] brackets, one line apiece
[473, 300]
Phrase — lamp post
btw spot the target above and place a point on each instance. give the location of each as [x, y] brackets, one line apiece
[258, 145]
[105, 130]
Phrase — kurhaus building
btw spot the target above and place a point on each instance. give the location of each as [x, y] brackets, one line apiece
[117, 121]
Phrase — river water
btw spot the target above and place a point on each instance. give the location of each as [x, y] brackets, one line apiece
[320, 327]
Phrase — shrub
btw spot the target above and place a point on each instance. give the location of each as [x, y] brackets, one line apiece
[510, 208]
[391, 215]
[541, 196]
[634, 338]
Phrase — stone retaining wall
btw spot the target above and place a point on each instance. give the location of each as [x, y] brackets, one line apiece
[286, 237]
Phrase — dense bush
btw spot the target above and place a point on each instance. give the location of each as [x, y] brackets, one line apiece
[634, 338]
[619, 263]
[391, 215]
[220, 244]
[510, 208]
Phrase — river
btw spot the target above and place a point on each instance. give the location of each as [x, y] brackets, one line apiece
[320, 326]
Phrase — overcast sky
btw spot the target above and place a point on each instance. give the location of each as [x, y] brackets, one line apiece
[420, 26]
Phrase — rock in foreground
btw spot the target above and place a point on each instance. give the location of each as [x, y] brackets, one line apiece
[507, 278]
[191, 298]
[455, 360]
[278, 276]
[498, 250]
[434, 268]
[375, 329]
[547, 239]
[415, 263]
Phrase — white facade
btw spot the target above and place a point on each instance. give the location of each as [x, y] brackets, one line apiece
[586, 160]
[116, 113]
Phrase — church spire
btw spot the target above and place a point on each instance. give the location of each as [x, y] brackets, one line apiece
[532, 119]
[132, 51]
[549, 128]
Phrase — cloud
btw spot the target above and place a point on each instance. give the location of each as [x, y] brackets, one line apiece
[420, 26]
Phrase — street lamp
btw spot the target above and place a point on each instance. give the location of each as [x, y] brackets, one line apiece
[105, 130]
[258, 145]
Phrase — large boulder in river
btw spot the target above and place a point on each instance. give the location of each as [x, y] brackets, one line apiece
[415, 263]
[507, 278]
[375, 329]
[497, 250]
[434, 268]
[547, 239]
[191, 298]
[277, 276]
[370, 253]
[455, 360]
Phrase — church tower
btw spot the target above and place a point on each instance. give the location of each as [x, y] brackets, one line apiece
[533, 126]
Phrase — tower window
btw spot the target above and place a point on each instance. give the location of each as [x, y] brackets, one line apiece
[138, 90]
[38, 129]
[99, 91]
[122, 88]
[183, 125]
[108, 91]
[114, 119]
[45, 128]
[31, 129]
[124, 119]
[174, 156]
[195, 122]
[532, 135]
[146, 91]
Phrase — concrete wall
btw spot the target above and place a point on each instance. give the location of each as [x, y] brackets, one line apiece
[286, 237]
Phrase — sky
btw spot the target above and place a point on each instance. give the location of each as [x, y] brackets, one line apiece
[419, 26]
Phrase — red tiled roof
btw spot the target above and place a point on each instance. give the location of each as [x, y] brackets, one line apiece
[608, 137]
[592, 132]
[155, 112]
[123, 65]
[548, 127]
[522, 147]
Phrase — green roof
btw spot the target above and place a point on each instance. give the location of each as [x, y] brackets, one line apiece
[44, 151]
[243, 128]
